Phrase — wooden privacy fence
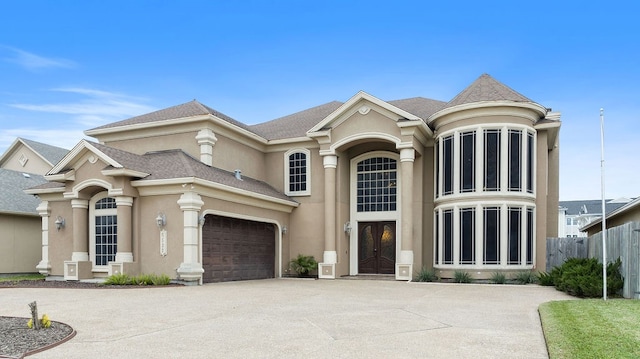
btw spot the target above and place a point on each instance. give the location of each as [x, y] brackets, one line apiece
[622, 242]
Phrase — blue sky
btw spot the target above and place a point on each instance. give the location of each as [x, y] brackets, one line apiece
[68, 66]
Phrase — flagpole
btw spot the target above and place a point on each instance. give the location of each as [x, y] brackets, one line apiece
[604, 219]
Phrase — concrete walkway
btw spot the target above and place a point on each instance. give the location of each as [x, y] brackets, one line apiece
[290, 318]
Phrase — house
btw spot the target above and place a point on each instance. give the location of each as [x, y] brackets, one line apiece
[22, 166]
[628, 212]
[366, 186]
[573, 215]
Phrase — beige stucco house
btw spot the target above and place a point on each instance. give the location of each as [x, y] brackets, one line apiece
[366, 186]
[22, 166]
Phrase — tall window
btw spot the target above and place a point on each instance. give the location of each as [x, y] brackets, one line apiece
[437, 161]
[377, 185]
[467, 235]
[447, 165]
[467, 161]
[530, 238]
[447, 234]
[491, 160]
[105, 228]
[514, 241]
[491, 235]
[297, 176]
[515, 160]
[530, 162]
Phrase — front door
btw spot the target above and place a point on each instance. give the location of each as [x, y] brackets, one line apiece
[376, 247]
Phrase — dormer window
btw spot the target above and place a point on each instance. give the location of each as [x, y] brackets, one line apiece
[297, 172]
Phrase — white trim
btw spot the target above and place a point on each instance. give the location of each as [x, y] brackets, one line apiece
[287, 177]
[362, 136]
[82, 145]
[75, 191]
[528, 110]
[92, 228]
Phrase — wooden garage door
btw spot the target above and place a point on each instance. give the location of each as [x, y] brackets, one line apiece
[237, 249]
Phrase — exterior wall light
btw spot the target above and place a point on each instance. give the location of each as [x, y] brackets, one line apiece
[347, 228]
[161, 220]
[284, 230]
[59, 223]
[201, 220]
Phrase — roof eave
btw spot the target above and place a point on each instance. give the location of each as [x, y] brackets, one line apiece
[541, 110]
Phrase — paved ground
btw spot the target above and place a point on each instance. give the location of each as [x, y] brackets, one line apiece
[289, 318]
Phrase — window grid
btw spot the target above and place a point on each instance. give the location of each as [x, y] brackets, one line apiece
[467, 161]
[106, 203]
[447, 233]
[492, 160]
[447, 165]
[491, 235]
[106, 228]
[377, 185]
[298, 172]
[515, 160]
[515, 230]
[530, 238]
[467, 236]
[529, 162]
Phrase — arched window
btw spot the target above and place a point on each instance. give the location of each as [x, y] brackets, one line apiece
[103, 227]
[297, 177]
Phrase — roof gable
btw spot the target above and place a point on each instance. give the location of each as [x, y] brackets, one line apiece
[111, 156]
[47, 153]
[356, 103]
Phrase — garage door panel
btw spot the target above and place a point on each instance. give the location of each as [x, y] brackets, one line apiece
[236, 249]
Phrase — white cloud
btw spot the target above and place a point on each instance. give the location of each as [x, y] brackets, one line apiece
[97, 108]
[59, 137]
[33, 62]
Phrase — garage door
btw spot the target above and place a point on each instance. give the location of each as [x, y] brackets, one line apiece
[237, 249]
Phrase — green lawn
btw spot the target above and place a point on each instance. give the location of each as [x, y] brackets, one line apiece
[592, 328]
[18, 277]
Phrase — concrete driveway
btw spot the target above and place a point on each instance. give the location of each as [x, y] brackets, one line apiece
[290, 318]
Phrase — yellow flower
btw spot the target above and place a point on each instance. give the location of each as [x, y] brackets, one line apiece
[46, 322]
[30, 323]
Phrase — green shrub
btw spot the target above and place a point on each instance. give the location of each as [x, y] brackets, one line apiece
[545, 279]
[118, 279]
[582, 277]
[525, 277]
[426, 275]
[462, 277]
[498, 278]
[142, 279]
[303, 265]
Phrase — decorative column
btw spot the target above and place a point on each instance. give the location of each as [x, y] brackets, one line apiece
[327, 269]
[190, 269]
[80, 230]
[206, 139]
[404, 266]
[44, 211]
[124, 253]
[79, 267]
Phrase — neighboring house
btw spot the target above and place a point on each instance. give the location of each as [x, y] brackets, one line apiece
[628, 212]
[21, 167]
[366, 186]
[573, 215]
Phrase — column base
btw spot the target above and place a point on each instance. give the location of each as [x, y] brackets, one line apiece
[327, 269]
[77, 270]
[124, 257]
[44, 267]
[190, 272]
[122, 268]
[404, 267]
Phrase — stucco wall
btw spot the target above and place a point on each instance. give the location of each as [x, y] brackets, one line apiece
[20, 243]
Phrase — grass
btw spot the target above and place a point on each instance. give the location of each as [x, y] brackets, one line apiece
[498, 278]
[592, 328]
[426, 275]
[19, 277]
[525, 277]
[142, 279]
[462, 277]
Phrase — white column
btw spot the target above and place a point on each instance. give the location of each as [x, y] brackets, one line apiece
[44, 211]
[327, 268]
[404, 266]
[124, 253]
[80, 208]
[206, 139]
[191, 268]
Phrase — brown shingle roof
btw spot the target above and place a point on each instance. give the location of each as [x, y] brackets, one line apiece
[419, 106]
[486, 88]
[295, 125]
[189, 109]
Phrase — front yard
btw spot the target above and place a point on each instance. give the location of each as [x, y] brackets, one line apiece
[592, 328]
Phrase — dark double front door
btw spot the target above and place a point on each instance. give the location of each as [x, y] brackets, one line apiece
[376, 247]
